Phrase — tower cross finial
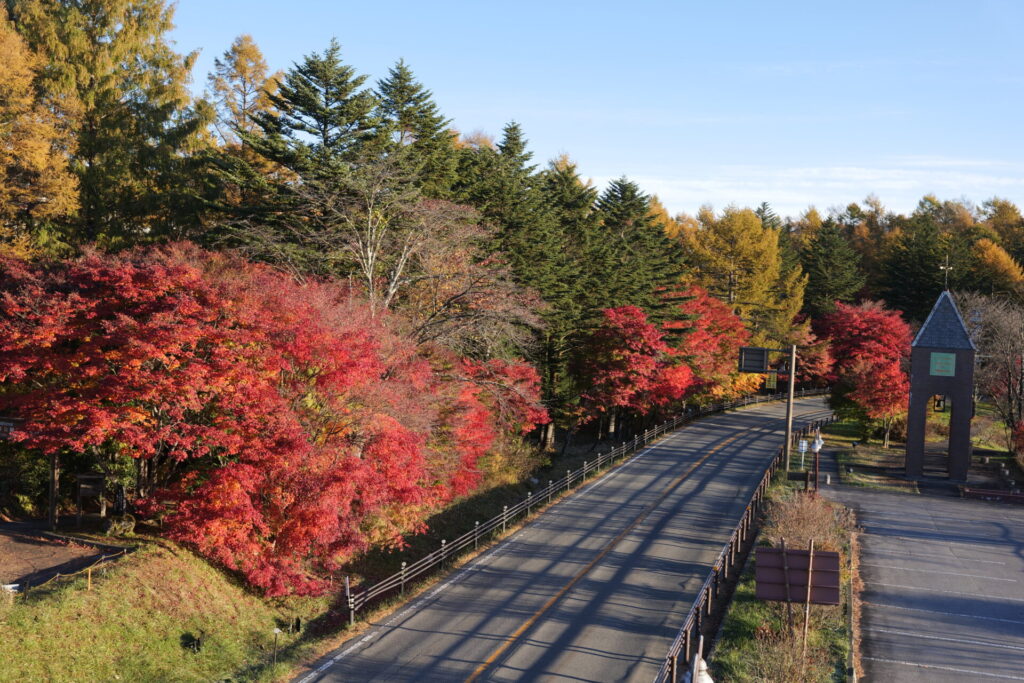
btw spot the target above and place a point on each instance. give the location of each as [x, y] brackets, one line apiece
[945, 272]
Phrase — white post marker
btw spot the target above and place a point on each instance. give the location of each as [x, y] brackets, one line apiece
[803, 449]
[700, 673]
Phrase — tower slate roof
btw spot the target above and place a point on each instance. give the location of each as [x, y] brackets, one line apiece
[944, 328]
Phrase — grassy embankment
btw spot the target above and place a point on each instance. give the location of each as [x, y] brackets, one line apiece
[755, 642]
[139, 619]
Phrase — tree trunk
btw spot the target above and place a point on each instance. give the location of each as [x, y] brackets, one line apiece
[548, 436]
[54, 489]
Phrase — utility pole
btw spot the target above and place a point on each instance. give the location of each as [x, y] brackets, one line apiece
[789, 405]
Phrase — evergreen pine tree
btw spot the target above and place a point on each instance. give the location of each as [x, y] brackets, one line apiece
[415, 122]
[769, 218]
[324, 122]
[832, 268]
[502, 184]
[638, 263]
[912, 276]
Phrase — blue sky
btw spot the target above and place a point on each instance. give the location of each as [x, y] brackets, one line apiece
[794, 103]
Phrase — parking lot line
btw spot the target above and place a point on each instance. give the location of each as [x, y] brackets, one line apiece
[948, 614]
[946, 668]
[1002, 598]
[933, 571]
[966, 641]
[930, 558]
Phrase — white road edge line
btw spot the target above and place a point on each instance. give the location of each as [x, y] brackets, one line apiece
[949, 640]
[945, 668]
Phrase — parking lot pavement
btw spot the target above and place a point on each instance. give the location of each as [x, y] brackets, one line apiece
[943, 592]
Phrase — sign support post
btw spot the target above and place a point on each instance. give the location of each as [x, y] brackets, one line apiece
[789, 405]
[785, 580]
[755, 359]
[807, 600]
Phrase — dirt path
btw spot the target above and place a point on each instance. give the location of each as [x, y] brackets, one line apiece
[27, 556]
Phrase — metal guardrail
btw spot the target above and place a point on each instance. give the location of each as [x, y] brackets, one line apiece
[359, 598]
[682, 646]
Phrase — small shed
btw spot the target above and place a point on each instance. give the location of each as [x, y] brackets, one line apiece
[90, 485]
[6, 427]
[942, 364]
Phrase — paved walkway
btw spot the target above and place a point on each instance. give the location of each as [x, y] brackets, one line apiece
[943, 592]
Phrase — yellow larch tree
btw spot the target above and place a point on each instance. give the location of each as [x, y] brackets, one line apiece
[36, 184]
[737, 259]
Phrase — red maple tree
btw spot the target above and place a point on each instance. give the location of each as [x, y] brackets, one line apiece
[627, 366]
[280, 426]
[869, 344]
[711, 336]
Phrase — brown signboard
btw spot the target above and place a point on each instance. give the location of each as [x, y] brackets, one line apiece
[770, 574]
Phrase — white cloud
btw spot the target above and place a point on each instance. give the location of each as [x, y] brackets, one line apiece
[899, 183]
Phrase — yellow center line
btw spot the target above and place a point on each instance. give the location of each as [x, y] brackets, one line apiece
[604, 551]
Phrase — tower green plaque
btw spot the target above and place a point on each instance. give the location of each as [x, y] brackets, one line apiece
[943, 364]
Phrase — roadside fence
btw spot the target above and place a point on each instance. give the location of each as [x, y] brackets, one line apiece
[710, 594]
[483, 532]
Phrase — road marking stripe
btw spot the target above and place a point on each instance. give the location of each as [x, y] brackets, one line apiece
[986, 643]
[500, 650]
[935, 611]
[946, 668]
[1002, 598]
[933, 571]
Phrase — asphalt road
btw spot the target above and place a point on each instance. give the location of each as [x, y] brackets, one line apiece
[596, 588]
[943, 592]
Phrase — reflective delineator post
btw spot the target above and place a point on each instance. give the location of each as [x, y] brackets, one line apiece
[351, 603]
[789, 405]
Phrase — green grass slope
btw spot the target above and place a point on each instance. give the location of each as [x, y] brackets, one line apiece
[138, 620]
